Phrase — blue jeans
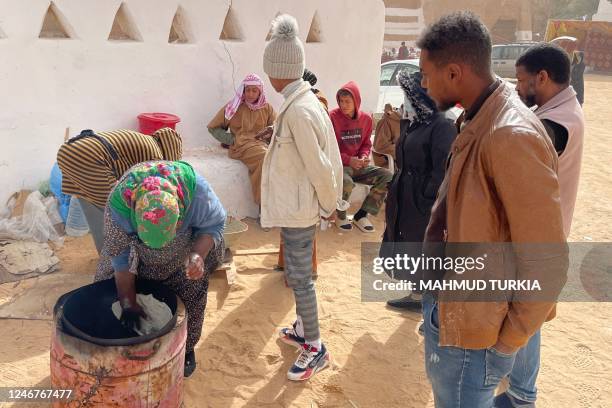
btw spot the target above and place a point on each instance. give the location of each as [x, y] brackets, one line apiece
[525, 371]
[461, 378]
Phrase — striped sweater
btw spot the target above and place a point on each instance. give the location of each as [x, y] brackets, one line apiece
[89, 170]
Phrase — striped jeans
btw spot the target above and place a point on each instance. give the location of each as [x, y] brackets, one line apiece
[298, 271]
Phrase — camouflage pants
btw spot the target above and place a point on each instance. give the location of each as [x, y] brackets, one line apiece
[377, 177]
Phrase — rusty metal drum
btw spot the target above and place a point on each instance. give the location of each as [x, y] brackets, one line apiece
[105, 368]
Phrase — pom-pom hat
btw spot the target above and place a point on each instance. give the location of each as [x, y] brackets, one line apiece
[284, 54]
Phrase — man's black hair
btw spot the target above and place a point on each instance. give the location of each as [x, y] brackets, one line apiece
[460, 37]
[547, 57]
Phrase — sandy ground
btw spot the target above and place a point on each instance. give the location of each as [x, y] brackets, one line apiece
[377, 355]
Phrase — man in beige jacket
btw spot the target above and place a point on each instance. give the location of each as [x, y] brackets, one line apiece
[301, 181]
[500, 192]
[543, 74]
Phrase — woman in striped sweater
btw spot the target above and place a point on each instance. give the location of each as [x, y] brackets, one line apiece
[92, 163]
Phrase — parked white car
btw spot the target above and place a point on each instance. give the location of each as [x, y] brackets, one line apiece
[390, 90]
[504, 58]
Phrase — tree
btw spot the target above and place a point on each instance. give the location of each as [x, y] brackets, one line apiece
[574, 9]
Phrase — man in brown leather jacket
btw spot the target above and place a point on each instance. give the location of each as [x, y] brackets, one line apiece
[500, 187]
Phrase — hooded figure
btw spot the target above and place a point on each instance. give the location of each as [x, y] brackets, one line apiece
[353, 131]
[421, 154]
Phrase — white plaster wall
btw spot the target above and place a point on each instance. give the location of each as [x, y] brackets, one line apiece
[90, 82]
[604, 12]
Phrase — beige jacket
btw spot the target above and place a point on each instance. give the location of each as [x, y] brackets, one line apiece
[501, 186]
[302, 170]
[565, 110]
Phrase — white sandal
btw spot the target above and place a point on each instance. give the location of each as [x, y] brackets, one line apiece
[344, 224]
[364, 225]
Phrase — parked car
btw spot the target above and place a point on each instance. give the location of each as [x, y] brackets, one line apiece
[504, 58]
[390, 90]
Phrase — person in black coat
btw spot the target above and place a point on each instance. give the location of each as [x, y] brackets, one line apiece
[425, 140]
[577, 75]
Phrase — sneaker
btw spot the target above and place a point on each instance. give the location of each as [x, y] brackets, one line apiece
[190, 364]
[406, 303]
[288, 336]
[506, 400]
[310, 362]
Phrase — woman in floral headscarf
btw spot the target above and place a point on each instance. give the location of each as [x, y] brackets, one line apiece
[425, 139]
[163, 222]
[248, 116]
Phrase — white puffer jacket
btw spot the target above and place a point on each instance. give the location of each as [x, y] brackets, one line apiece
[302, 170]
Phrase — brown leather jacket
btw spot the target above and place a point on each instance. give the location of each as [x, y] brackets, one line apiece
[501, 186]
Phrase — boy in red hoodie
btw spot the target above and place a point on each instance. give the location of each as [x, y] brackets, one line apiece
[353, 130]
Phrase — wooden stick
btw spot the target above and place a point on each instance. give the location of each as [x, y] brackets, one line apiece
[245, 252]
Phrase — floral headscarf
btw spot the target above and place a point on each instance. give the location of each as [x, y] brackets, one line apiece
[422, 108]
[155, 196]
[232, 107]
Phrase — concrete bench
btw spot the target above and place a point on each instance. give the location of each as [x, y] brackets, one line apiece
[230, 180]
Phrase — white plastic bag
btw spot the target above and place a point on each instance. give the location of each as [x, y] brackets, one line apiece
[33, 225]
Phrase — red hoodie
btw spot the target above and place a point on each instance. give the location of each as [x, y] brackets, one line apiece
[352, 134]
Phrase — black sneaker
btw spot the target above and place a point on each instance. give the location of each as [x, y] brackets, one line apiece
[506, 400]
[190, 363]
[406, 303]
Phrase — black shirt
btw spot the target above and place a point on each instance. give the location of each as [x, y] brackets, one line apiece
[557, 133]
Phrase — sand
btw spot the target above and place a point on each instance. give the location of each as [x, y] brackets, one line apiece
[377, 354]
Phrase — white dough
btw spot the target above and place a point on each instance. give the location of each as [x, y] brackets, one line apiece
[158, 314]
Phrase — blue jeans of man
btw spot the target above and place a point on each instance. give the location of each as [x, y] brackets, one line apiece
[461, 378]
[525, 371]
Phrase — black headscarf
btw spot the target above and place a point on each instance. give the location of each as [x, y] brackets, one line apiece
[423, 106]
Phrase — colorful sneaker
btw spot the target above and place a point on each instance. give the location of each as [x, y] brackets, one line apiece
[310, 362]
[288, 336]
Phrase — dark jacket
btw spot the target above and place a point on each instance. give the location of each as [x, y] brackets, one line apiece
[421, 154]
[577, 80]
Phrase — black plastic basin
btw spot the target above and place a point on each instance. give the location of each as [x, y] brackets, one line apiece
[86, 313]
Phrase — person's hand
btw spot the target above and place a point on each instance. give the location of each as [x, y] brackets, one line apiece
[365, 160]
[265, 134]
[330, 218]
[194, 266]
[130, 316]
[504, 349]
[356, 163]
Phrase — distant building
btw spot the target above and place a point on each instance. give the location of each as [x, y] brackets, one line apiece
[508, 20]
[404, 21]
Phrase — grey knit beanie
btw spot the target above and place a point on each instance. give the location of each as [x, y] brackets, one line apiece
[284, 54]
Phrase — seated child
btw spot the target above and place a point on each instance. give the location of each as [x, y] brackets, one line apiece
[353, 131]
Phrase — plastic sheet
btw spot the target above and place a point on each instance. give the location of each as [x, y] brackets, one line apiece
[35, 224]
